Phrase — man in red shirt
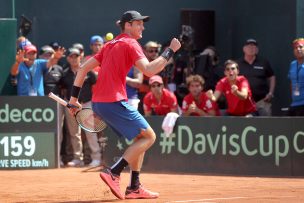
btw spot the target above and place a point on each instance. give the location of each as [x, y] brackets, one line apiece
[159, 101]
[196, 103]
[236, 90]
[110, 99]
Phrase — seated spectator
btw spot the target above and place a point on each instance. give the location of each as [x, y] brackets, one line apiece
[159, 101]
[29, 70]
[236, 90]
[196, 103]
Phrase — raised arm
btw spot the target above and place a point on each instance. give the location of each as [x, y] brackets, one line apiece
[157, 65]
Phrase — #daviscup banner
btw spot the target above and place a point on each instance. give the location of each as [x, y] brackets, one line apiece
[222, 145]
[28, 130]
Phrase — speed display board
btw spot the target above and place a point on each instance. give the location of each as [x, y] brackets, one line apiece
[28, 133]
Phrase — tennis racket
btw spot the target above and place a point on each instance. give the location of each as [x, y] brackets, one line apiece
[85, 117]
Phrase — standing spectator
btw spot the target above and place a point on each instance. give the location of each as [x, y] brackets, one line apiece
[159, 101]
[96, 43]
[236, 90]
[51, 83]
[133, 82]
[53, 75]
[196, 103]
[67, 80]
[80, 47]
[30, 70]
[260, 76]
[296, 76]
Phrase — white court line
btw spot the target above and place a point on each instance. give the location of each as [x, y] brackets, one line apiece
[199, 200]
[228, 198]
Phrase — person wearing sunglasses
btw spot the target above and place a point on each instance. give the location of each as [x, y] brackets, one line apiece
[159, 101]
[151, 50]
[237, 91]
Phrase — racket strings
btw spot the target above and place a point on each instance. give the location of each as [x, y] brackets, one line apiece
[87, 119]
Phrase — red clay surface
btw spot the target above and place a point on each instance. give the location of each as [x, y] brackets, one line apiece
[73, 185]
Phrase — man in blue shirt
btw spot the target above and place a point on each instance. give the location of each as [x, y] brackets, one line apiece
[296, 76]
[29, 70]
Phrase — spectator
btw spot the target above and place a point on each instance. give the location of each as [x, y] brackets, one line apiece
[96, 43]
[133, 81]
[53, 75]
[296, 77]
[80, 47]
[67, 80]
[260, 76]
[22, 42]
[236, 90]
[196, 103]
[207, 66]
[51, 82]
[151, 51]
[29, 70]
[56, 46]
[159, 101]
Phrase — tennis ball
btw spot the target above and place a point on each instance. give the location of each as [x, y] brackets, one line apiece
[109, 36]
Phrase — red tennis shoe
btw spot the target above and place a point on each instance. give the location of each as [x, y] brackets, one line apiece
[140, 193]
[113, 182]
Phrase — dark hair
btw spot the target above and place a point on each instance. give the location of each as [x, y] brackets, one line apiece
[229, 62]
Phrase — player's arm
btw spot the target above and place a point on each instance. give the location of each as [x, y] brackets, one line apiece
[157, 65]
[80, 77]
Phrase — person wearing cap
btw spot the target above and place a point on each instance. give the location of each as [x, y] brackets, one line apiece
[196, 103]
[260, 75]
[110, 99]
[51, 77]
[296, 77]
[29, 70]
[237, 91]
[151, 50]
[159, 101]
[96, 43]
[69, 74]
[80, 47]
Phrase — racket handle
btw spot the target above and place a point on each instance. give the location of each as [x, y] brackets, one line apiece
[58, 99]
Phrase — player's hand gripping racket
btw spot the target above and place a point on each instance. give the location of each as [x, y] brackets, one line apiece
[85, 117]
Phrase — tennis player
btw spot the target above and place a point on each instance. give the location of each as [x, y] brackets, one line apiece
[110, 99]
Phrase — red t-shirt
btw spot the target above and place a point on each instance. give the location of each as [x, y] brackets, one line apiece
[116, 59]
[167, 102]
[206, 104]
[236, 106]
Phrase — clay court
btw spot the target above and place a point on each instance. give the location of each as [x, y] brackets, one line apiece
[74, 185]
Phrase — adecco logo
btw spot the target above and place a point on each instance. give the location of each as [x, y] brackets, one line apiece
[27, 115]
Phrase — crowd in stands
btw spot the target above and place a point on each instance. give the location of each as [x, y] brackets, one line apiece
[203, 87]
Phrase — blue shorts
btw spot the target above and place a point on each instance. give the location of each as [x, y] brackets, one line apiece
[125, 120]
